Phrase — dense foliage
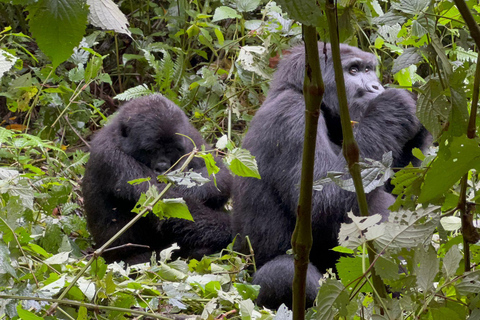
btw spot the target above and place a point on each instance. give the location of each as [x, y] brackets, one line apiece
[66, 65]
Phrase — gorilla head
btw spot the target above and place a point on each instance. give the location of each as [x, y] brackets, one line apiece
[361, 81]
[161, 145]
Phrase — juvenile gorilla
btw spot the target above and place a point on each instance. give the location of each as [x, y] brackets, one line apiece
[142, 141]
[265, 209]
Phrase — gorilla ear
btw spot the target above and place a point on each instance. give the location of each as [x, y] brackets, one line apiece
[124, 129]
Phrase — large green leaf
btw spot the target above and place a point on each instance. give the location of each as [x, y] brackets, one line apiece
[456, 156]
[242, 163]
[414, 7]
[432, 107]
[305, 11]
[406, 59]
[332, 298]
[58, 26]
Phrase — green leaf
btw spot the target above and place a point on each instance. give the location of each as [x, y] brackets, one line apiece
[332, 298]
[242, 163]
[223, 12]
[26, 315]
[247, 291]
[455, 157]
[414, 7]
[351, 235]
[106, 15]
[451, 261]
[172, 208]
[389, 19]
[433, 108]
[247, 5]
[93, 67]
[350, 271]
[405, 229]
[305, 11]
[386, 269]
[5, 262]
[374, 174]
[82, 314]
[210, 163]
[406, 59]
[426, 268]
[58, 26]
[469, 284]
[188, 178]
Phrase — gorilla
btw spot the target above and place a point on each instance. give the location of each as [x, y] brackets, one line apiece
[140, 142]
[265, 210]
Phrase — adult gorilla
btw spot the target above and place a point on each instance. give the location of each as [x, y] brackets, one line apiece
[140, 142]
[265, 209]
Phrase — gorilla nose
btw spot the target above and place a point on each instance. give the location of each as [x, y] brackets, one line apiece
[376, 87]
[161, 167]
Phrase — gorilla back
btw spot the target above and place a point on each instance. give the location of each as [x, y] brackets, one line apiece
[140, 142]
[265, 209]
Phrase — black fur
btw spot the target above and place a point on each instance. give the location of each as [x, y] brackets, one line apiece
[265, 209]
[140, 142]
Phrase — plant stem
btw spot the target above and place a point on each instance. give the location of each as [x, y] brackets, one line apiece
[313, 89]
[350, 147]
[467, 227]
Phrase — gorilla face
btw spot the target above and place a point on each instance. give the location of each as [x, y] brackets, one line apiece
[361, 79]
[157, 149]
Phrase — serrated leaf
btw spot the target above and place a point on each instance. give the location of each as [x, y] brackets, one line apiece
[351, 235]
[305, 11]
[58, 26]
[406, 59]
[386, 269]
[469, 284]
[172, 208]
[389, 19]
[451, 261]
[242, 163]
[433, 108]
[223, 12]
[188, 178]
[455, 157]
[426, 268]
[254, 59]
[332, 298]
[405, 229]
[106, 15]
[350, 271]
[414, 7]
[374, 174]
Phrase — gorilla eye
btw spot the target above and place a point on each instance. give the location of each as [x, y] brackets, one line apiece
[367, 69]
[353, 70]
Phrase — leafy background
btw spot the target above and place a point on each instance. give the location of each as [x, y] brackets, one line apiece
[66, 66]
